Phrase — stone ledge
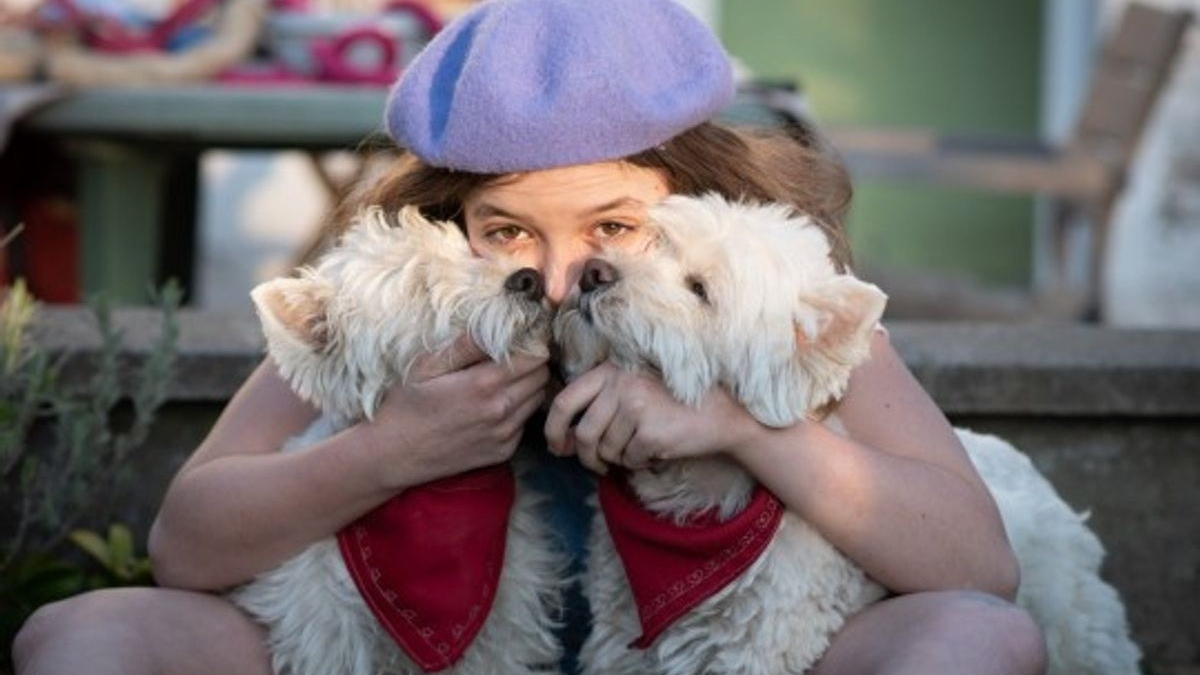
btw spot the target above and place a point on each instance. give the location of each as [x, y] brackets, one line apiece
[217, 351]
[969, 368]
[1053, 369]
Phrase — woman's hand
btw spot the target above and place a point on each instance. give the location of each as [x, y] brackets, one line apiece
[458, 411]
[630, 419]
[897, 493]
[220, 522]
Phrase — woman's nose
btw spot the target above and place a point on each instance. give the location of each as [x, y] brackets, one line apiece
[560, 275]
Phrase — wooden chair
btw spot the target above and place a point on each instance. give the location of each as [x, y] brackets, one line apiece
[1084, 177]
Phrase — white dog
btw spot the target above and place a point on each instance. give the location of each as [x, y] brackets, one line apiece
[342, 333]
[747, 297]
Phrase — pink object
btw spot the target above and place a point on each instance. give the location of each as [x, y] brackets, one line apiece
[315, 46]
[333, 65]
[106, 34]
[331, 55]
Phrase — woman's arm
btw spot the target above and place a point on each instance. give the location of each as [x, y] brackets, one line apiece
[238, 506]
[898, 495]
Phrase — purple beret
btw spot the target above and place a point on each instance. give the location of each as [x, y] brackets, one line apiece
[520, 85]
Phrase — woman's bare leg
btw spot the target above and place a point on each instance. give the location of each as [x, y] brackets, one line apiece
[149, 630]
[139, 631]
[962, 633]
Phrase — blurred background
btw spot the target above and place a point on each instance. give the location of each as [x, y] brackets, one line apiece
[1027, 178]
[1000, 71]
[907, 91]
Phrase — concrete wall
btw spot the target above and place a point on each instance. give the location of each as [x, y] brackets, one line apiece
[1111, 416]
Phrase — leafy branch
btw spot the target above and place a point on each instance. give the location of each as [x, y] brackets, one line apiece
[61, 452]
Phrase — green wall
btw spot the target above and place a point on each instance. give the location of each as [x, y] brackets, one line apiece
[950, 64]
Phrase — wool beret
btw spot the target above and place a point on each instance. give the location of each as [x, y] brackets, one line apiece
[521, 85]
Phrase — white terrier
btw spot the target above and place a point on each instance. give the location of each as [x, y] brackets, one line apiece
[746, 297]
[342, 333]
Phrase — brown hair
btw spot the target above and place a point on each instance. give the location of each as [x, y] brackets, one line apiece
[756, 165]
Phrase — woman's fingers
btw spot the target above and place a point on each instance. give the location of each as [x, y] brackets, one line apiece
[591, 418]
[630, 419]
[459, 410]
[568, 408]
[593, 427]
[615, 443]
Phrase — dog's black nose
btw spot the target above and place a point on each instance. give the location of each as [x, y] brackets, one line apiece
[526, 281]
[597, 274]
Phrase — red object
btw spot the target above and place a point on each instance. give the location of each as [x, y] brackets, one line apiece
[672, 568]
[330, 56]
[50, 249]
[427, 562]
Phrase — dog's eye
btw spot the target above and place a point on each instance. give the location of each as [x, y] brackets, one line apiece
[696, 285]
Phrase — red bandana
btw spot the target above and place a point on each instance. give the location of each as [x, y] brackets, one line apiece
[672, 568]
[427, 561]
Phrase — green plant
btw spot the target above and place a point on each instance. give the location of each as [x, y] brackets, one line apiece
[38, 578]
[116, 555]
[62, 451]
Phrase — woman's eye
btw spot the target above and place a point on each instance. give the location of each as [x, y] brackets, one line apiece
[610, 229]
[696, 286]
[505, 233]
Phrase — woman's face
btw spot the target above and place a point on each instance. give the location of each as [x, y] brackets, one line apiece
[554, 220]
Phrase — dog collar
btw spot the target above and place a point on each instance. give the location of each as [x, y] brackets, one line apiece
[427, 562]
[672, 567]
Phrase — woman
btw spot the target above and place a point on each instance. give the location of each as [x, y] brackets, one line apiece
[545, 128]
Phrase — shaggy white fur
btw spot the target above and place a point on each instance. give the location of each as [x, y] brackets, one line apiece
[747, 297]
[343, 333]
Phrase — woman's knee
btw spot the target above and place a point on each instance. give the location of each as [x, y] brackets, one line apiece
[107, 618]
[141, 630]
[997, 628]
[939, 632]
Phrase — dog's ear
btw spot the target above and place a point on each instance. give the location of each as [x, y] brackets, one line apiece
[833, 324]
[293, 312]
[837, 317]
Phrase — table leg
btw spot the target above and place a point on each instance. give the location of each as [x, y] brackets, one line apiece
[137, 217]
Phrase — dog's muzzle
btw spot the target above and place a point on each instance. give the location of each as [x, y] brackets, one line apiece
[597, 274]
[526, 282]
